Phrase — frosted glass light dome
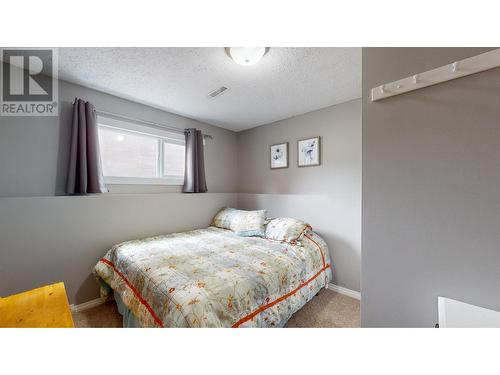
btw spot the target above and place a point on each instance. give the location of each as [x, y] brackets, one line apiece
[246, 55]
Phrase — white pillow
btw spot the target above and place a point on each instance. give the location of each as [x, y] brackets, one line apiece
[243, 223]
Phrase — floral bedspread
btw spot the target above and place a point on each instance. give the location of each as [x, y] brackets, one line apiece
[214, 278]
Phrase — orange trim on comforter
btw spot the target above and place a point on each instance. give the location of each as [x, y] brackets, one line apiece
[242, 320]
[271, 304]
[136, 293]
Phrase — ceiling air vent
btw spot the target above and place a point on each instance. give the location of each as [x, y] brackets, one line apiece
[217, 92]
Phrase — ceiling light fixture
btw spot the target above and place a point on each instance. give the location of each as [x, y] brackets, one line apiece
[246, 55]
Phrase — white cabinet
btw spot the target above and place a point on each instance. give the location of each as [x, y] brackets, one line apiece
[456, 314]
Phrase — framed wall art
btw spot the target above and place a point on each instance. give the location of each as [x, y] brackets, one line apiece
[279, 155]
[309, 152]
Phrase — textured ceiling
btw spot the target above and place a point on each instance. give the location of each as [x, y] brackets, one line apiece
[285, 83]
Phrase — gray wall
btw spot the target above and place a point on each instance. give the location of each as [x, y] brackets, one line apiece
[431, 201]
[49, 239]
[34, 150]
[328, 196]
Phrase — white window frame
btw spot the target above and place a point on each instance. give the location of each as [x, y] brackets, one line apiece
[163, 136]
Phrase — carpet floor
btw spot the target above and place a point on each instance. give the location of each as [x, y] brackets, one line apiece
[327, 310]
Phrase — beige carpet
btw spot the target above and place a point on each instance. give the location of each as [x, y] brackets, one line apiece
[327, 309]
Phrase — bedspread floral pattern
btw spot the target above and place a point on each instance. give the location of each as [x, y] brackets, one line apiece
[214, 278]
[285, 229]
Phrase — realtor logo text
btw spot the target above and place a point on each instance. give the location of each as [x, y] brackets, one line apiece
[28, 82]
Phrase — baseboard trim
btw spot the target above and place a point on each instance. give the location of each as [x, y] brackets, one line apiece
[345, 291]
[87, 305]
[99, 301]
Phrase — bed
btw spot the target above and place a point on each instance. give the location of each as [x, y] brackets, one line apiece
[213, 277]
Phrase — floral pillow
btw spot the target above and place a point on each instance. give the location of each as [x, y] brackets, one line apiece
[243, 223]
[223, 218]
[285, 229]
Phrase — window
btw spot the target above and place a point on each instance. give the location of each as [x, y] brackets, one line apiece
[139, 154]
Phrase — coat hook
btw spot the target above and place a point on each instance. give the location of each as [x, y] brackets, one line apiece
[382, 89]
[415, 78]
[455, 66]
[398, 86]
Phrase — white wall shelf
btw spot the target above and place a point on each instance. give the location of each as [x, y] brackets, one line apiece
[457, 69]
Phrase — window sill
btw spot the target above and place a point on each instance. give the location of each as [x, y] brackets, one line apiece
[111, 180]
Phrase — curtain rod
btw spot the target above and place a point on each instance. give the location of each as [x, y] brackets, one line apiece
[150, 123]
[170, 128]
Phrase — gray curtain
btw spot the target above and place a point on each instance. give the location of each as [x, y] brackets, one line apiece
[194, 178]
[84, 171]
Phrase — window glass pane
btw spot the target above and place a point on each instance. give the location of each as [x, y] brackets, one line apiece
[128, 154]
[173, 159]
